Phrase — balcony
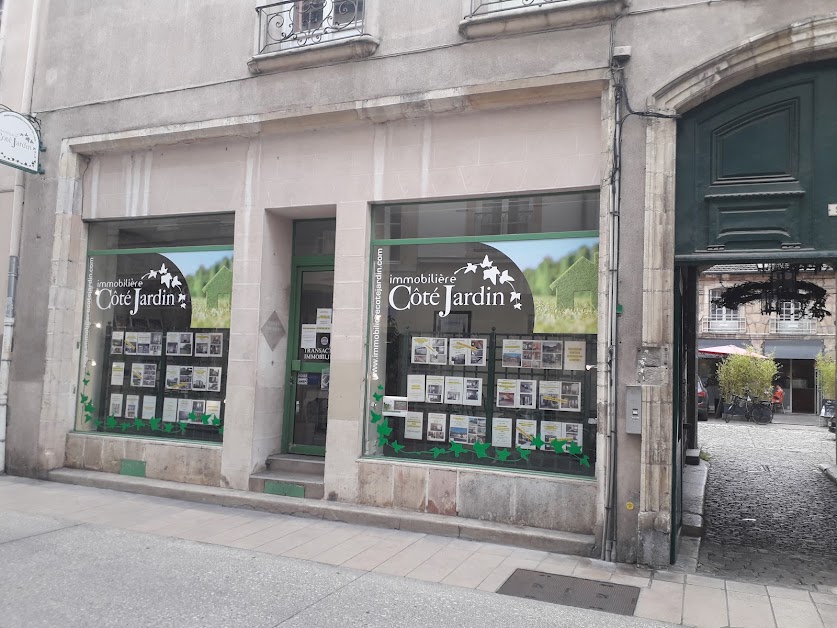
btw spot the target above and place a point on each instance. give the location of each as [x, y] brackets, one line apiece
[302, 33]
[797, 327]
[710, 325]
[502, 17]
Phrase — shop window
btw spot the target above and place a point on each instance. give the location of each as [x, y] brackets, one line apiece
[482, 346]
[155, 341]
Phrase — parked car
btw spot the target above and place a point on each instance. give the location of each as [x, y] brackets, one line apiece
[702, 402]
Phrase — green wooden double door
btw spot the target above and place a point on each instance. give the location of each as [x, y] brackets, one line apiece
[309, 356]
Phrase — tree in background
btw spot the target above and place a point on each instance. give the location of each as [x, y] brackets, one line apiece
[826, 374]
[746, 374]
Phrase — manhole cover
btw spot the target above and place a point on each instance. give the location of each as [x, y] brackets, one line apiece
[546, 587]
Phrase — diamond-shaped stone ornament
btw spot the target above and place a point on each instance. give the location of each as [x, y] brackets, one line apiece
[273, 331]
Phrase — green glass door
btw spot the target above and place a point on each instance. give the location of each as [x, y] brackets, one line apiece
[309, 358]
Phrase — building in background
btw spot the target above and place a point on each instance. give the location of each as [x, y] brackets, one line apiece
[792, 338]
[344, 250]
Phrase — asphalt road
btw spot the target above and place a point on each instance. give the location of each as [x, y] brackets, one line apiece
[770, 512]
[58, 573]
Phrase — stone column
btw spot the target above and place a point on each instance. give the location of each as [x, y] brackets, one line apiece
[654, 362]
[347, 395]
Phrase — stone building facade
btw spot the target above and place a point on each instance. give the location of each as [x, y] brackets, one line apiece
[389, 144]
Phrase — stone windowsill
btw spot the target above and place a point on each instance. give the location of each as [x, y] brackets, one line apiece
[539, 18]
[317, 54]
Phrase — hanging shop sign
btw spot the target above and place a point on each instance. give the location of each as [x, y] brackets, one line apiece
[20, 142]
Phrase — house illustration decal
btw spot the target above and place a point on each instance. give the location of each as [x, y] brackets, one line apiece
[577, 287]
[219, 286]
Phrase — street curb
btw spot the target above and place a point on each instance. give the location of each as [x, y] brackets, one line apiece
[695, 478]
[459, 527]
[830, 472]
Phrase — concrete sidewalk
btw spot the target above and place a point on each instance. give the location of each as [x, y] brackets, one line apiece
[408, 556]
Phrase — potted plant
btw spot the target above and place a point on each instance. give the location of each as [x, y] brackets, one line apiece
[747, 374]
[826, 379]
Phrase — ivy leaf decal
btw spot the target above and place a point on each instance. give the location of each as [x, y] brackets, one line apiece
[456, 449]
[481, 448]
[88, 418]
[502, 454]
[154, 423]
[383, 441]
[125, 426]
[183, 427]
[110, 423]
[89, 407]
[98, 423]
[384, 429]
[537, 442]
[84, 399]
[192, 416]
[584, 461]
[205, 419]
[575, 448]
[397, 446]
[168, 427]
[524, 453]
[438, 451]
[85, 381]
[221, 430]
[375, 416]
[377, 396]
[138, 423]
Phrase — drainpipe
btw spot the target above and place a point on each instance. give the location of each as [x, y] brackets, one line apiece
[612, 278]
[15, 238]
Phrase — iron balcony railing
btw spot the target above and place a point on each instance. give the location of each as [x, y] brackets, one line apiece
[709, 325]
[802, 326]
[483, 7]
[297, 23]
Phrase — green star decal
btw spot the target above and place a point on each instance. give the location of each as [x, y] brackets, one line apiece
[524, 453]
[502, 454]
[537, 442]
[456, 449]
[481, 448]
[397, 446]
[438, 451]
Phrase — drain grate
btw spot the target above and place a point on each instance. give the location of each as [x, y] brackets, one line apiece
[568, 591]
[762, 468]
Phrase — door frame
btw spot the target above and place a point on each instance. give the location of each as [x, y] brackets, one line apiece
[299, 265]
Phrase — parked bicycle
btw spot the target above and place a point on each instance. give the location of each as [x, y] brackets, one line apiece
[755, 410]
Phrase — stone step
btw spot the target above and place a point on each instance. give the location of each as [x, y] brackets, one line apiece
[288, 483]
[424, 523]
[294, 463]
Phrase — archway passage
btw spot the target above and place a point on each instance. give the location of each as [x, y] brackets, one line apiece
[756, 185]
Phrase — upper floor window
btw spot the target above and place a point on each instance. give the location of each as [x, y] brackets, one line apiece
[722, 319]
[294, 23]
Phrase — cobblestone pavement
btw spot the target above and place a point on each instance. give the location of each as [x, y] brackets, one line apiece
[770, 514]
